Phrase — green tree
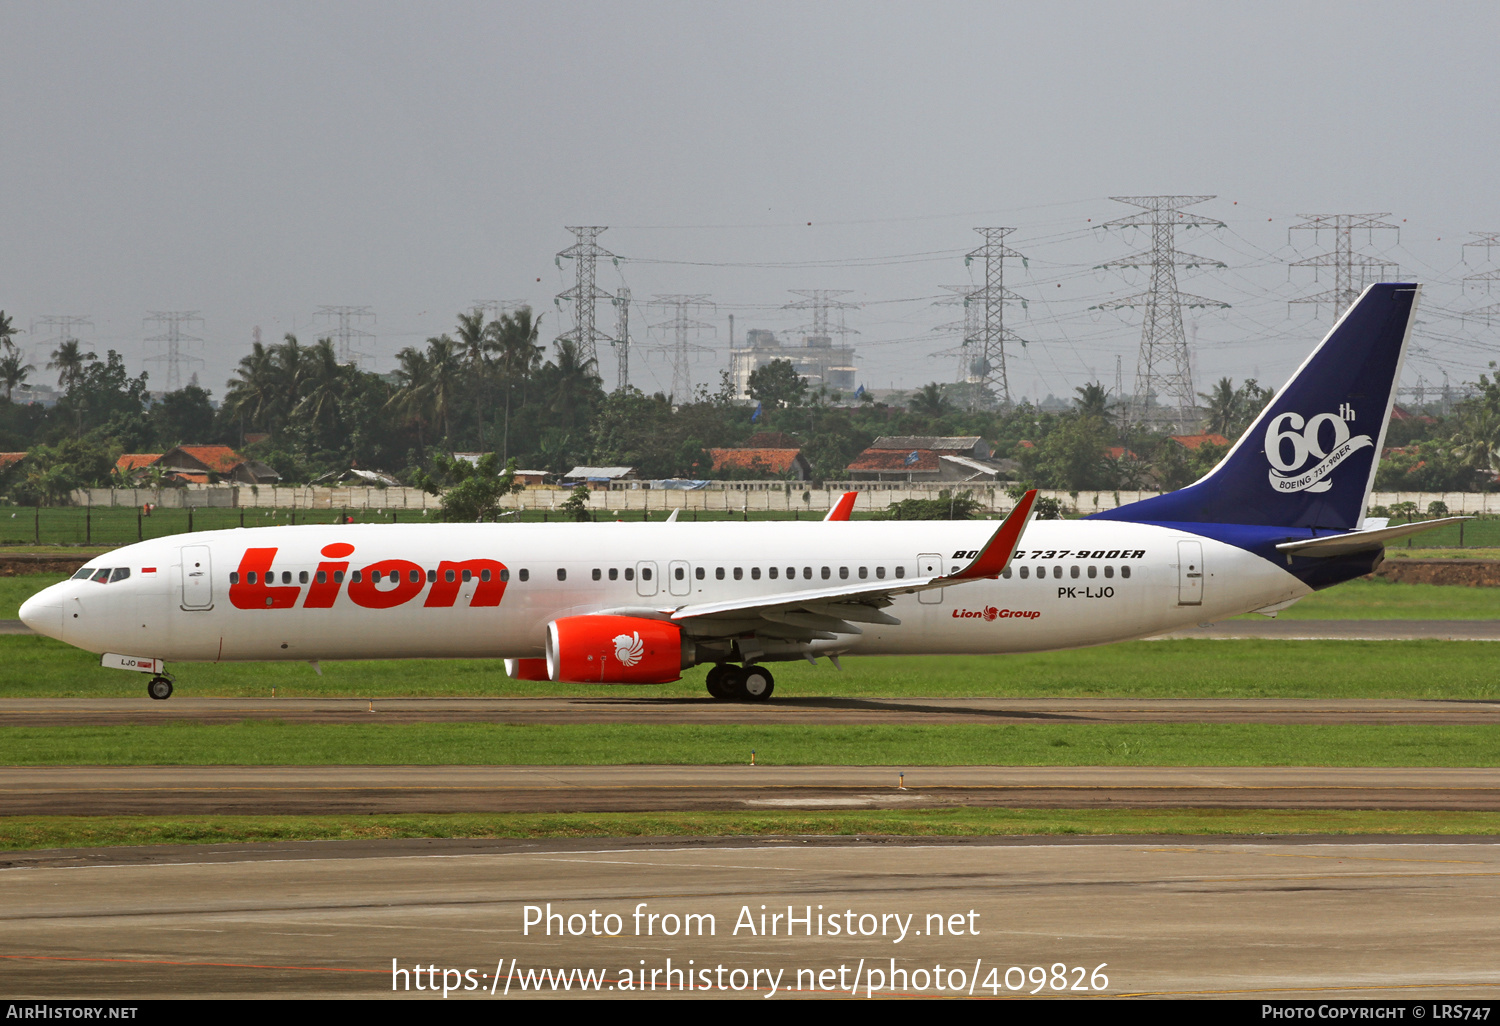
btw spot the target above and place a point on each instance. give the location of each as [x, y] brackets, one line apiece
[517, 356]
[777, 385]
[474, 489]
[1093, 401]
[930, 401]
[577, 505]
[947, 506]
[184, 417]
[13, 371]
[1223, 407]
[69, 360]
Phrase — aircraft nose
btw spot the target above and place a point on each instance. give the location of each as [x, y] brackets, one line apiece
[43, 612]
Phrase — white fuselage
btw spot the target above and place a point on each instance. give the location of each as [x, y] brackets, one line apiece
[1085, 583]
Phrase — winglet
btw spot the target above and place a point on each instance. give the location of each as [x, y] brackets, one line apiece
[672, 517]
[843, 507]
[992, 559]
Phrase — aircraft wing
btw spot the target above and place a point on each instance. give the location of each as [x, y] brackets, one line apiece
[1360, 541]
[824, 613]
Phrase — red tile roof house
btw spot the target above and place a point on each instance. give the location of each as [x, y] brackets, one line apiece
[925, 458]
[1192, 442]
[199, 464]
[788, 464]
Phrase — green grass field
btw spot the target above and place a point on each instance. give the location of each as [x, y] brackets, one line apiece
[32, 667]
[272, 743]
[32, 832]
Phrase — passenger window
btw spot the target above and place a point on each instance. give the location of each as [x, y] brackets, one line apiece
[698, 573]
[755, 573]
[468, 576]
[630, 573]
[562, 575]
[449, 576]
[679, 573]
[249, 578]
[1057, 572]
[826, 573]
[354, 577]
[772, 571]
[431, 577]
[1073, 572]
[375, 577]
[484, 575]
[645, 573]
[525, 575]
[738, 573]
[234, 576]
[286, 577]
[1093, 571]
[504, 574]
[843, 573]
[864, 572]
[880, 572]
[614, 574]
[719, 573]
[596, 574]
[1109, 571]
[1124, 571]
[1025, 572]
[322, 577]
[1005, 573]
[302, 577]
[338, 577]
[900, 571]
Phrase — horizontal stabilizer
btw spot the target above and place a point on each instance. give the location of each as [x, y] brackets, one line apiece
[1360, 541]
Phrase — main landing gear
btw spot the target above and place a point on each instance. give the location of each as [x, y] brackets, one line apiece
[750, 683]
[160, 687]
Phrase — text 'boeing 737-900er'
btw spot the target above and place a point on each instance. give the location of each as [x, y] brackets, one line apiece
[635, 603]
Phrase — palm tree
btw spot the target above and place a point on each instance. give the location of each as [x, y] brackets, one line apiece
[930, 401]
[518, 354]
[412, 401]
[576, 378]
[324, 382]
[69, 360]
[254, 391]
[1477, 441]
[475, 342]
[1223, 405]
[7, 329]
[1093, 400]
[12, 372]
[445, 377]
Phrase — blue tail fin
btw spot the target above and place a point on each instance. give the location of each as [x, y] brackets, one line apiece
[1309, 459]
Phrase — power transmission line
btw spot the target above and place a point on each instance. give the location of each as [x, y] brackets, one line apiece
[65, 327]
[584, 253]
[172, 338]
[347, 332]
[684, 330]
[1351, 271]
[988, 356]
[1164, 367]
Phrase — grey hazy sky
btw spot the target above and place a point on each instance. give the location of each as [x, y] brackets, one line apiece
[255, 161]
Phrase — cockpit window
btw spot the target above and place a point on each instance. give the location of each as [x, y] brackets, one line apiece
[121, 572]
[84, 574]
[102, 576]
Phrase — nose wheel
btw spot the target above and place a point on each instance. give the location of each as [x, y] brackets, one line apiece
[160, 688]
[744, 684]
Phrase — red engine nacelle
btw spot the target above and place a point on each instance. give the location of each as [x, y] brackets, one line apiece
[614, 650]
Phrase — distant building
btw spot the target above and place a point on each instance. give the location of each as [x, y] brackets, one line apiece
[928, 458]
[782, 463]
[1194, 442]
[817, 361]
[206, 464]
[599, 478]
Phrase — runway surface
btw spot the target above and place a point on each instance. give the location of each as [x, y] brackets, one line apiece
[361, 790]
[621, 705]
[1314, 920]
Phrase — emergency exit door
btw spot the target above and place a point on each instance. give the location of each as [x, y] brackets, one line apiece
[1189, 573]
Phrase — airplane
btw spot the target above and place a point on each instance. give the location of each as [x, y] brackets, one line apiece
[1282, 515]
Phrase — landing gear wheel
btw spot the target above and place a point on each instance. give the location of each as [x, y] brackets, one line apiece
[160, 688]
[719, 681]
[755, 683]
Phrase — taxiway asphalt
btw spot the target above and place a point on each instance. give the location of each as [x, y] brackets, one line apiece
[1276, 919]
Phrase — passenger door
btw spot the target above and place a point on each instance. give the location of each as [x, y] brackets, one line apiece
[930, 564]
[1189, 573]
[197, 578]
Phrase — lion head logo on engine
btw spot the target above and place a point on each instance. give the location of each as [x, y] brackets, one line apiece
[629, 648]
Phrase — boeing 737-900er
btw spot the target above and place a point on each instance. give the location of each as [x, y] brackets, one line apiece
[1281, 516]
